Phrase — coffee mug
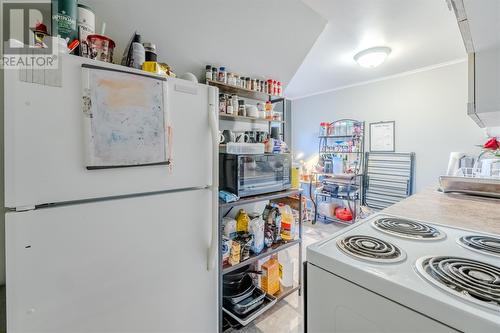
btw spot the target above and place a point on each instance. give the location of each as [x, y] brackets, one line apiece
[242, 137]
[229, 136]
[261, 136]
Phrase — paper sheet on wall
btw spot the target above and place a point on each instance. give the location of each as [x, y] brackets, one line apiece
[125, 119]
[382, 137]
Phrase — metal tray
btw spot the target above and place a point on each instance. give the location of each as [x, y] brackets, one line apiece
[269, 301]
[485, 187]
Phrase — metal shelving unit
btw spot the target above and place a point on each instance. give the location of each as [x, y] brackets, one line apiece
[247, 119]
[254, 95]
[346, 142]
[283, 245]
[243, 92]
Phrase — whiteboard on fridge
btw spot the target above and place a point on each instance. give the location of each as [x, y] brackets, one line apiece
[125, 118]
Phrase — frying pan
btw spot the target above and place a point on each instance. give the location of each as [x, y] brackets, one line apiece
[237, 292]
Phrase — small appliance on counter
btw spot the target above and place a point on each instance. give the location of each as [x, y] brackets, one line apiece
[247, 175]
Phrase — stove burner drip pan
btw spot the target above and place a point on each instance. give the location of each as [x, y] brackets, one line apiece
[471, 280]
[371, 249]
[483, 244]
[407, 228]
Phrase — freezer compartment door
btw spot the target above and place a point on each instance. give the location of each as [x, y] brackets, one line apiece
[128, 265]
[45, 141]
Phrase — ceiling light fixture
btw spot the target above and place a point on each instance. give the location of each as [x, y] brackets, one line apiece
[372, 57]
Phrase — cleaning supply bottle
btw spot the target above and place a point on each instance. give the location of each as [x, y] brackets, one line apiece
[242, 221]
[285, 269]
[137, 53]
[287, 222]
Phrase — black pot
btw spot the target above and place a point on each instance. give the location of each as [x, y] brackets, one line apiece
[236, 292]
[239, 274]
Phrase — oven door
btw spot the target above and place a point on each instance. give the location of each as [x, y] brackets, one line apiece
[259, 174]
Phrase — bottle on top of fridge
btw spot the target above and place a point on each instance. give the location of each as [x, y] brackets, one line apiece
[138, 53]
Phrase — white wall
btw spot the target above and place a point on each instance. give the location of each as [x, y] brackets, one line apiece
[429, 108]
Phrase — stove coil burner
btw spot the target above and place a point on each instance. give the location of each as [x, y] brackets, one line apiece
[408, 229]
[484, 244]
[371, 249]
[468, 279]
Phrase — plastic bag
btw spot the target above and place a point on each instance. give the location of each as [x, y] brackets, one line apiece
[257, 230]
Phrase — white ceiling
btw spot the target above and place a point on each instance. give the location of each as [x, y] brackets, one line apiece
[421, 33]
[261, 38]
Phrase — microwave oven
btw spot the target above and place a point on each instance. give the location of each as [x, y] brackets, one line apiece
[247, 175]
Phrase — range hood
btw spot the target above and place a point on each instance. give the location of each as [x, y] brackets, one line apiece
[479, 24]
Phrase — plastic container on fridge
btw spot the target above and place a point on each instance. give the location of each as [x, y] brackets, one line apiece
[243, 148]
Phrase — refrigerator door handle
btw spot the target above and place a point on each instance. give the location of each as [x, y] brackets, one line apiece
[214, 128]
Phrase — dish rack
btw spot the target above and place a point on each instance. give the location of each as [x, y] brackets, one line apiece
[476, 172]
[477, 180]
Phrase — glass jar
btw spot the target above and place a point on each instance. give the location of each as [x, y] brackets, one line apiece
[229, 105]
[208, 72]
[222, 74]
[215, 74]
[270, 88]
[222, 103]
[231, 79]
[241, 108]
[254, 84]
[235, 103]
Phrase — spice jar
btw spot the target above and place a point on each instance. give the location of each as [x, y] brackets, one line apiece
[275, 88]
[229, 105]
[270, 87]
[215, 74]
[242, 82]
[235, 103]
[231, 79]
[222, 103]
[248, 84]
[222, 74]
[279, 92]
[208, 72]
[241, 108]
[254, 84]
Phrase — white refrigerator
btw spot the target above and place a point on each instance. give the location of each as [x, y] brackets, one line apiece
[110, 250]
